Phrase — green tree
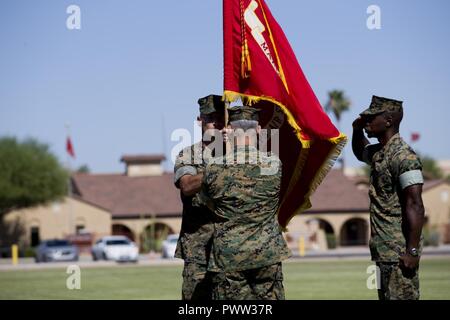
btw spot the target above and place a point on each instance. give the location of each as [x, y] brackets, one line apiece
[431, 169]
[84, 169]
[29, 175]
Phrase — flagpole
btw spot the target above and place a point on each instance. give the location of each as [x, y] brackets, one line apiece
[227, 143]
[69, 184]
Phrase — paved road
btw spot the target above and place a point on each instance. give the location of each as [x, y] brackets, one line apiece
[85, 262]
[352, 253]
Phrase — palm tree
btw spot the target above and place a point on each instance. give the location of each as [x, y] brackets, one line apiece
[337, 103]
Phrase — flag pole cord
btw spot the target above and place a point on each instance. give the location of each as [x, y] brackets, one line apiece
[246, 65]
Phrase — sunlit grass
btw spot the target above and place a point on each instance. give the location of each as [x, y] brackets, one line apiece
[340, 279]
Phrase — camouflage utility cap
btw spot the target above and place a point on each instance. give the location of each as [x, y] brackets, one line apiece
[380, 105]
[243, 113]
[210, 104]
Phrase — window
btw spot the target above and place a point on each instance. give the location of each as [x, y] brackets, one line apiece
[58, 243]
[117, 242]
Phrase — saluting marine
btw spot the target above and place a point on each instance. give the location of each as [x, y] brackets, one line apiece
[396, 208]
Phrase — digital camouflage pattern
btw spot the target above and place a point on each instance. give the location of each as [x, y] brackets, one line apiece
[243, 113]
[387, 241]
[398, 283]
[194, 243]
[196, 226]
[264, 283]
[246, 232]
[379, 105]
[210, 104]
[197, 284]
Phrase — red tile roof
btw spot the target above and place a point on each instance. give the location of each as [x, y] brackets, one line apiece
[130, 196]
[338, 193]
[127, 196]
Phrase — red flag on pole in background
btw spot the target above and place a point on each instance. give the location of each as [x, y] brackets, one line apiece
[261, 69]
[415, 136]
[69, 147]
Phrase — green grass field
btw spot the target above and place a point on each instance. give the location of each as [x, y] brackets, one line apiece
[339, 279]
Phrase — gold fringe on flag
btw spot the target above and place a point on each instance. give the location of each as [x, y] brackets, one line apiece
[337, 142]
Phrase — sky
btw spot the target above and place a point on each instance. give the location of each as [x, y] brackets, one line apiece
[134, 71]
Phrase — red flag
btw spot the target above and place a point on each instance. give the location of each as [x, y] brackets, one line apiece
[415, 136]
[260, 67]
[69, 148]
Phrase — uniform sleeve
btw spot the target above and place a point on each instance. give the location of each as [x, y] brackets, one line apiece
[204, 195]
[183, 167]
[369, 151]
[409, 169]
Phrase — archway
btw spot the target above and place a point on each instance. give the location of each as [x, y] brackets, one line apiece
[153, 236]
[327, 229]
[354, 232]
[122, 230]
[80, 225]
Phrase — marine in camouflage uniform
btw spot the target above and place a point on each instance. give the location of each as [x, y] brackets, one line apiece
[395, 167]
[194, 243]
[248, 245]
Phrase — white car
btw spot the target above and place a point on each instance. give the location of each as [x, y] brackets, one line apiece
[169, 245]
[117, 248]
